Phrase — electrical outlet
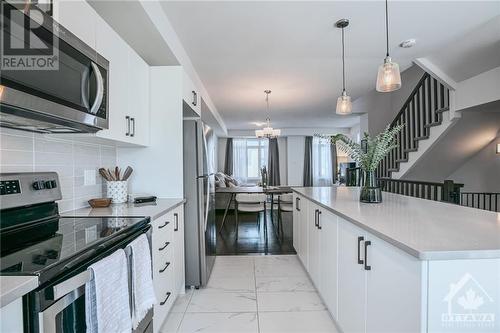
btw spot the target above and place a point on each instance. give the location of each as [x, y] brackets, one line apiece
[89, 177]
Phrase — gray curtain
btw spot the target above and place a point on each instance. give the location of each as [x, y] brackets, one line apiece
[273, 163]
[333, 152]
[228, 166]
[308, 161]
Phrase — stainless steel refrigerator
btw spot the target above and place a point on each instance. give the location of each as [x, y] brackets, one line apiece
[199, 191]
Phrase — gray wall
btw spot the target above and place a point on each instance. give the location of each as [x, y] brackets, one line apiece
[383, 107]
[28, 152]
[481, 173]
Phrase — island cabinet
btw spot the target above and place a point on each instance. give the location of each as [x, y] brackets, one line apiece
[367, 284]
[405, 265]
[168, 262]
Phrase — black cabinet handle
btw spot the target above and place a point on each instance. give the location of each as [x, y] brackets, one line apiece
[316, 218]
[163, 247]
[195, 98]
[360, 239]
[164, 268]
[166, 298]
[163, 225]
[366, 255]
[176, 221]
[132, 120]
[297, 201]
[319, 222]
[127, 118]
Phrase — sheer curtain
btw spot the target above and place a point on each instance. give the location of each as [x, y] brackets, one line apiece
[322, 162]
[240, 160]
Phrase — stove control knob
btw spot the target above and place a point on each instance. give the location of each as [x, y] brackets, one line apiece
[48, 184]
[39, 185]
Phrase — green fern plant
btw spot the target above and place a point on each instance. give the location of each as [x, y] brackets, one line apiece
[376, 148]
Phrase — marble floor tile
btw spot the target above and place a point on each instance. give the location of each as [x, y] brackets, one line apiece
[241, 284]
[219, 323]
[299, 322]
[172, 323]
[289, 301]
[233, 266]
[279, 268]
[206, 301]
[289, 283]
[182, 301]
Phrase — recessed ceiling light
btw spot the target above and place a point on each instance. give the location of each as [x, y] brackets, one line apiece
[406, 44]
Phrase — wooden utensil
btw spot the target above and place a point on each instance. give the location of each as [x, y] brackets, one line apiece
[104, 174]
[127, 173]
[111, 176]
[117, 173]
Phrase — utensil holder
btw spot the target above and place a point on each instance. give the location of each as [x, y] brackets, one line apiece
[117, 191]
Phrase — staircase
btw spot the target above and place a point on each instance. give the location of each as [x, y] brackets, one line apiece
[425, 116]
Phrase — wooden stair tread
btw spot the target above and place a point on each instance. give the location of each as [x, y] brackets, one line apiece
[410, 150]
[402, 160]
[436, 123]
[423, 137]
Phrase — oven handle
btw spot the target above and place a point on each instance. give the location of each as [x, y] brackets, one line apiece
[82, 278]
[100, 89]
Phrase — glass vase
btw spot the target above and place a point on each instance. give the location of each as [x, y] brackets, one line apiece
[370, 191]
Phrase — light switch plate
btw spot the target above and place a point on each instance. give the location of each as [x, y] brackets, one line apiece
[89, 177]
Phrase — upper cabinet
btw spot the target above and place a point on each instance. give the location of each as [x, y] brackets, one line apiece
[190, 94]
[128, 92]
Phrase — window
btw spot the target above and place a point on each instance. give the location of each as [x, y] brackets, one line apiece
[249, 155]
[322, 162]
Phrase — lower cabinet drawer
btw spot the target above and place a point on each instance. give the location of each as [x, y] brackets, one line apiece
[161, 309]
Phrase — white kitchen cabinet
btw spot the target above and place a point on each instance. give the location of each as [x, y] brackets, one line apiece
[304, 233]
[351, 278]
[168, 262]
[328, 253]
[179, 270]
[314, 243]
[138, 98]
[190, 94]
[393, 289]
[128, 75]
[12, 317]
[78, 17]
[296, 223]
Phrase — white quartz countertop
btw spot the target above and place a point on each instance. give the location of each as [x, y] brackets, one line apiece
[153, 210]
[13, 287]
[426, 229]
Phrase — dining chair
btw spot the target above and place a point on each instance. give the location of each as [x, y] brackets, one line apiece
[250, 203]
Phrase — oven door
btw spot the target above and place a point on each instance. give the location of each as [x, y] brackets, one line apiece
[67, 313]
[70, 92]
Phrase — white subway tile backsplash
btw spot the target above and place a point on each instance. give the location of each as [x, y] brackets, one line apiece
[27, 152]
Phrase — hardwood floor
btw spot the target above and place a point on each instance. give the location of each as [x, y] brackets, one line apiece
[251, 237]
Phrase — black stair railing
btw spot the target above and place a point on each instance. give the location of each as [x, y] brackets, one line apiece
[485, 200]
[447, 191]
[422, 110]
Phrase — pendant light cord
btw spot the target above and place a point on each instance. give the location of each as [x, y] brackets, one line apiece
[387, 27]
[343, 62]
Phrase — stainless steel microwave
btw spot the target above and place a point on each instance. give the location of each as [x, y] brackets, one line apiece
[50, 81]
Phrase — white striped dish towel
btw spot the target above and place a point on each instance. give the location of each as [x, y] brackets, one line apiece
[107, 302]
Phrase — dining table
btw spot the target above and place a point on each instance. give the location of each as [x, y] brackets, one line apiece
[233, 191]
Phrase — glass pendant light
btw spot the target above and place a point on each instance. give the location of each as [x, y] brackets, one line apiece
[388, 77]
[268, 131]
[344, 105]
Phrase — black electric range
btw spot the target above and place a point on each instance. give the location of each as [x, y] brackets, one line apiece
[36, 240]
[73, 240]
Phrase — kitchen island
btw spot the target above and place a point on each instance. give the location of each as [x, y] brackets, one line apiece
[405, 265]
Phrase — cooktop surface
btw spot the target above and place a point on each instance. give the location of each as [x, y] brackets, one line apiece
[74, 236]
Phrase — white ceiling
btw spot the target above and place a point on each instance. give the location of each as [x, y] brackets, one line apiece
[239, 49]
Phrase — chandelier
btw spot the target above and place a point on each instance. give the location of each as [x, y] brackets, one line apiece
[268, 131]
